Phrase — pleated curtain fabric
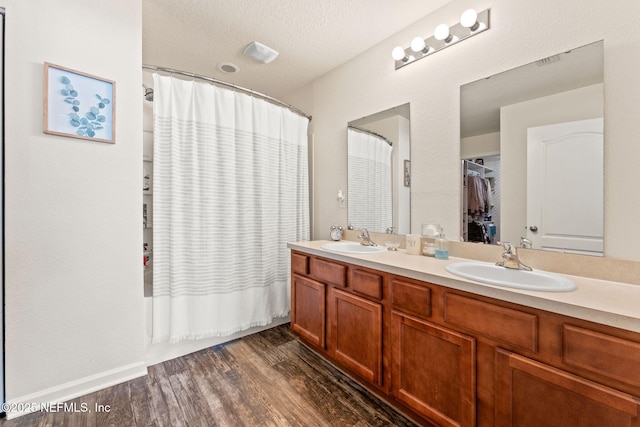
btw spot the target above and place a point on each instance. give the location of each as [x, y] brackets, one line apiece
[230, 188]
[369, 173]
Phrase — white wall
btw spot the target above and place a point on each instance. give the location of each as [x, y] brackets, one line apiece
[403, 153]
[521, 32]
[473, 147]
[74, 297]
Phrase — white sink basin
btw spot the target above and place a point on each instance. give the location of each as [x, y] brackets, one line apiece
[492, 274]
[352, 248]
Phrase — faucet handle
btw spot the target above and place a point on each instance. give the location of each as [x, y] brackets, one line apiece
[366, 239]
[525, 243]
[364, 234]
[511, 259]
[508, 247]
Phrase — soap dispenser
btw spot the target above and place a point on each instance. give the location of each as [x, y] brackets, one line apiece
[442, 246]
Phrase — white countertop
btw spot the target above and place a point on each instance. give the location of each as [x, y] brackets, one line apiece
[601, 301]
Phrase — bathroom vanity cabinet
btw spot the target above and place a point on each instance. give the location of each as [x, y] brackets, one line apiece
[453, 358]
[344, 324]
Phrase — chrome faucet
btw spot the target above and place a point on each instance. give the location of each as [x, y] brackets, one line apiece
[366, 239]
[525, 243]
[511, 259]
[390, 230]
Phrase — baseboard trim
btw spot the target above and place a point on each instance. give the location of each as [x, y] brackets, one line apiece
[80, 387]
[156, 353]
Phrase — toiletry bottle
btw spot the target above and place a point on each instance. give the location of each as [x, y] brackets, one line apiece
[442, 246]
[413, 244]
[428, 248]
[146, 181]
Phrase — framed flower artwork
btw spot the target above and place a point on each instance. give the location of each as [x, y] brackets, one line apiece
[79, 105]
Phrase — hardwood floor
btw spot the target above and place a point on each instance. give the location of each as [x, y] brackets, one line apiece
[266, 379]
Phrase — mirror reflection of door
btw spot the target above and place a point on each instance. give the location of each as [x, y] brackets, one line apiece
[565, 187]
[496, 112]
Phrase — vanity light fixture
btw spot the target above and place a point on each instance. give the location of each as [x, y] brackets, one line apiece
[398, 54]
[418, 45]
[469, 19]
[471, 23]
[442, 33]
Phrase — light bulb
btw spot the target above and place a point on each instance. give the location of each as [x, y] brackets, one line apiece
[442, 33]
[418, 44]
[469, 19]
[398, 54]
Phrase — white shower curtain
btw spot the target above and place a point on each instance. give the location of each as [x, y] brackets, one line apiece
[369, 173]
[230, 189]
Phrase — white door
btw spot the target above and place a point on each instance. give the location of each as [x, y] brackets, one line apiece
[565, 184]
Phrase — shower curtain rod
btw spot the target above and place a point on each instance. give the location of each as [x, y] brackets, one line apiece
[371, 133]
[230, 85]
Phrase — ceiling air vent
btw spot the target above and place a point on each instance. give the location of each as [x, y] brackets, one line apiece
[548, 60]
[260, 52]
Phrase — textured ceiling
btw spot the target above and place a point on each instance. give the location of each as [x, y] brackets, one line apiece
[312, 36]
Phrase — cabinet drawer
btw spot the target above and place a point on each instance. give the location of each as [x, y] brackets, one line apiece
[366, 283]
[601, 353]
[411, 298]
[300, 264]
[329, 272]
[503, 324]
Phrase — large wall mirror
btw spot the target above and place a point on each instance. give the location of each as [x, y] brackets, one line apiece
[532, 154]
[379, 171]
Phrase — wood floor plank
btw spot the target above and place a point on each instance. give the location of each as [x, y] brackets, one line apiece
[237, 397]
[88, 419]
[141, 402]
[267, 379]
[164, 400]
[291, 406]
[251, 403]
[157, 404]
[115, 407]
[46, 420]
[214, 401]
[348, 399]
[192, 403]
[324, 396]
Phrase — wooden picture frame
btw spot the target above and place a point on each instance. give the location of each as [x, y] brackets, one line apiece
[407, 173]
[79, 105]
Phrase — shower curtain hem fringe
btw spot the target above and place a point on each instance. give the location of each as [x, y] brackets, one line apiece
[218, 334]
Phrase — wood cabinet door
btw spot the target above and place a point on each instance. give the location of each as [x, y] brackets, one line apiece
[433, 370]
[530, 393]
[356, 334]
[308, 299]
